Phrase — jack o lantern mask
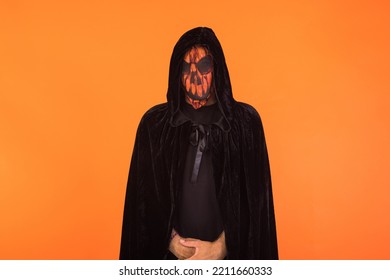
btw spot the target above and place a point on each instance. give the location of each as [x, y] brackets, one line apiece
[197, 75]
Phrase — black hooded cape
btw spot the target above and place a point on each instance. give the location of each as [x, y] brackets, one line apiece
[239, 160]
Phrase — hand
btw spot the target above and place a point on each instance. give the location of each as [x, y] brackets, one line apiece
[205, 250]
[180, 251]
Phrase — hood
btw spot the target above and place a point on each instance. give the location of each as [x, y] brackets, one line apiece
[205, 37]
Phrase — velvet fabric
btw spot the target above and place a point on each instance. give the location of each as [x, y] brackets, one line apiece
[239, 159]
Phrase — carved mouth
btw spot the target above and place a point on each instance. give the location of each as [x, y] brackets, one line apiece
[197, 97]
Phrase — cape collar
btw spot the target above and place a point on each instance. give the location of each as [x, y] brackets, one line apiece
[179, 118]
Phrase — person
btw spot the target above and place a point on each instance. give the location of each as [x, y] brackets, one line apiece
[199, 185]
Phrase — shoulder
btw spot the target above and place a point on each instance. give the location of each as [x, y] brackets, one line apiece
[249, 123]
[157, 112]
[247, 113]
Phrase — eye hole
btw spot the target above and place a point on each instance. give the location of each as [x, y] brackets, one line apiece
[186, 68]
[205, 65]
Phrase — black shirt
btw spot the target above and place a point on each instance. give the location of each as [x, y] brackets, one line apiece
[198, 214]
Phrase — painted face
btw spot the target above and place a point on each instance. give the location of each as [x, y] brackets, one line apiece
[197, 75]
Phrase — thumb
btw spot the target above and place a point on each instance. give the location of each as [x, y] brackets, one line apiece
[195, 255]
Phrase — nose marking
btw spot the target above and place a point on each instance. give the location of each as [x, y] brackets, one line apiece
[195, 79]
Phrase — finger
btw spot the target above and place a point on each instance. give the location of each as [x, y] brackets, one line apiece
[195, 255]
[187, 252]
[190, 239]
[189, 243]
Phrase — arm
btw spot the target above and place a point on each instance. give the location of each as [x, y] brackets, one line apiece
[265, 225]
[139, 170]
[128, 238]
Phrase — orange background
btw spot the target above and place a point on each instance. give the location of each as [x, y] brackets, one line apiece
[76, 77]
